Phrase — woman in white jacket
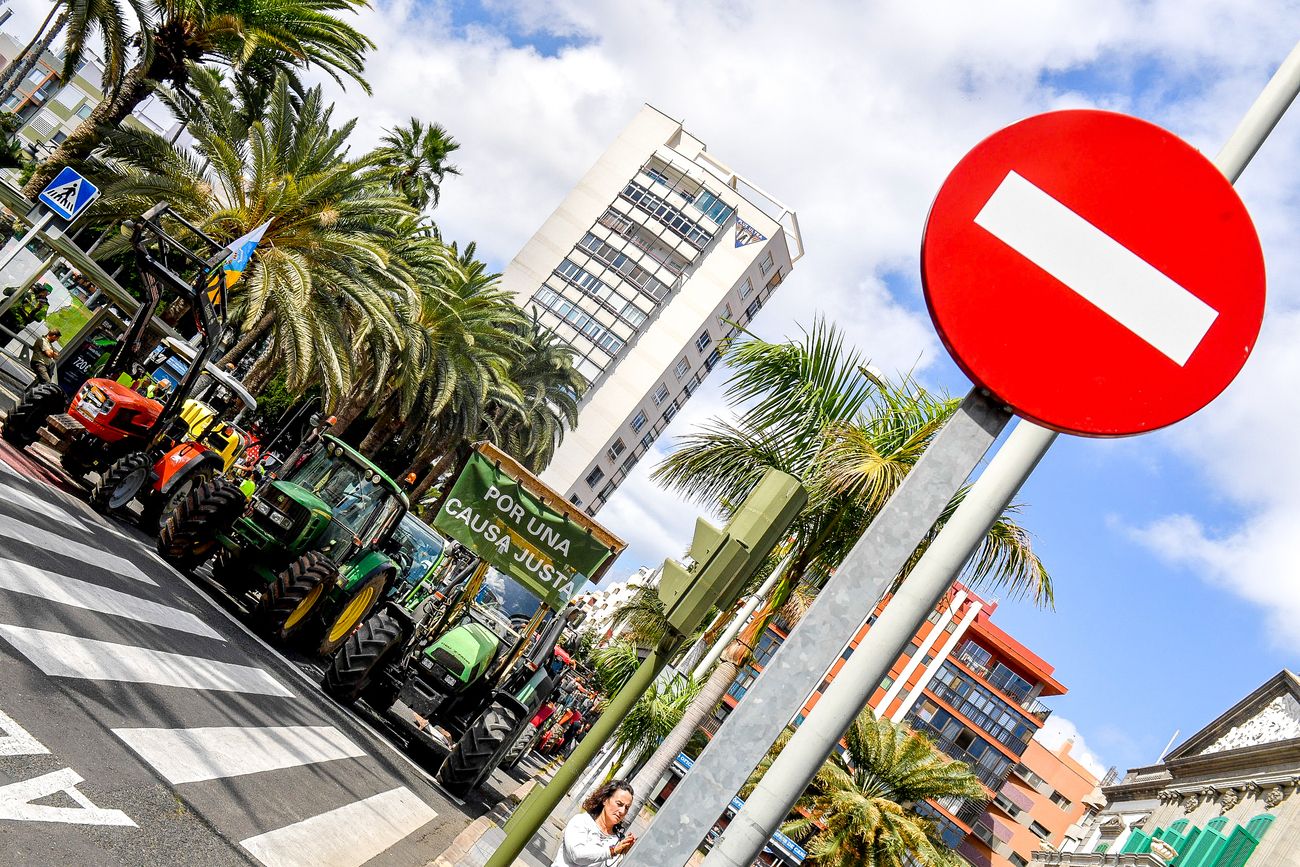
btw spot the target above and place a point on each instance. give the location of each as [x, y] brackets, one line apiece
[594, 838]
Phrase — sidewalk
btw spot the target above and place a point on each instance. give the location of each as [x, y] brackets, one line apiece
[476, 843]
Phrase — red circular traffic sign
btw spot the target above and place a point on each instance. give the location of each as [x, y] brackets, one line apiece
[1093, 271]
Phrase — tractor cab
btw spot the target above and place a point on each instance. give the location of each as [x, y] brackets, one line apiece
[419, 553]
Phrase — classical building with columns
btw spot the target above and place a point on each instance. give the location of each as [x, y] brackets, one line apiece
[1226, 797]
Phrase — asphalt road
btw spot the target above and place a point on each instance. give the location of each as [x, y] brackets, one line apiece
[141, 724]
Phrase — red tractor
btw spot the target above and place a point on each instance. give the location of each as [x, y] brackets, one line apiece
[109, 427]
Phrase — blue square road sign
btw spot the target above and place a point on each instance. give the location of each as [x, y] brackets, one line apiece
[68, 194]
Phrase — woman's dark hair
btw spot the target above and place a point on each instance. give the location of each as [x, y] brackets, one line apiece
[596, 800]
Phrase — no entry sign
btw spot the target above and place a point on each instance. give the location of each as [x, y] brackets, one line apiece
[1093, 271]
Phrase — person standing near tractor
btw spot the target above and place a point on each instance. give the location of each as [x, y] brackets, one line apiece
[32, 308]
[43, 355]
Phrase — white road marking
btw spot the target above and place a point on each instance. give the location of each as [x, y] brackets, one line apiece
[61, 655]
[39, 538]
[191, 755]
[16, 802]
[346, 837]
[19, 577]
[36, 504]
[17, 741]
[1102, 271]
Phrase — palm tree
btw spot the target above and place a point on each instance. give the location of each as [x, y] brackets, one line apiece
[857, 811]
[176, 34]
[814, 410]
[413, 160]
[324, 287]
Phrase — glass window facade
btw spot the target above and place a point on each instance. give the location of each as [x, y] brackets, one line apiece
[982, 707]
[767, 645]
[639, 420]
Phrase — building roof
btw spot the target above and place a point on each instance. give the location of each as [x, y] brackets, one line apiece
[1270, 714]
[1018, 653]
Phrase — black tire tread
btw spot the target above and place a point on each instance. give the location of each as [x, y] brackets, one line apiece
[209, 510]
[25, 419]
[352, 667]
[113, 476]
[290, 588]
[479, 750]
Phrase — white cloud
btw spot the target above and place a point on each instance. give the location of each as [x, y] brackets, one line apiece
[1057, 730]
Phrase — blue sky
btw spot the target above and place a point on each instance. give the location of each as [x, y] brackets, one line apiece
[1174, 554]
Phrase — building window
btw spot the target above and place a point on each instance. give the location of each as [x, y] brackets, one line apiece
[616, 449]
[909, 650]
[702, 342]
[638, 421]
[742, 683]
[60, 137]
[647, 440]
[1030, 777]
[36, 76]
[633, 315]
[767, 646]
[1007, 805]
[822, 687]
[846, 653]
[671, 410]
[887, 682]
[798, 721]
[1060, 800]
[1040, 830]
[85, 111]
[746, 288]
[660, 395]
[766, 264]
[575, 499]
[752, 310]
[1017, 860]
[712, 207]
[682, 367]
[712, 361]
[594, 476]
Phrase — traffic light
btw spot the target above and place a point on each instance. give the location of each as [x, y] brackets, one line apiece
[724, 559]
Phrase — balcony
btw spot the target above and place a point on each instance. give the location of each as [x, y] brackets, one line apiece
[1003, 679]
[965, 811]
[626, 229]
[993, 780]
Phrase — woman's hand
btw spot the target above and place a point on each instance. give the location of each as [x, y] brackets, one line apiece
[621, 847]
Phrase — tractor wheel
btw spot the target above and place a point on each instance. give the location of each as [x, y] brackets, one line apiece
[521, 747]
[479, 750]
[159, 507]
[36, 406]
[189, 537]
[85, 454]
[351, 612]
[352, 670]
[298, 592]
[121, 483]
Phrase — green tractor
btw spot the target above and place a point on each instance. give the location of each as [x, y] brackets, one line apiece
[473, 650]
[317, 546]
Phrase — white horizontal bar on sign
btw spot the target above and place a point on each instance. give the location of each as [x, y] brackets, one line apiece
[1100, 269]
[19, 577]
[37, 537]
[192, 755]
[346, 837]
[61, 655]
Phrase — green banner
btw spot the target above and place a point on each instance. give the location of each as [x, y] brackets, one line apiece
[492, 515]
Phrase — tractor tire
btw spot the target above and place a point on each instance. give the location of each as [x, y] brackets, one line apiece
[189, 538]
[85, 455]
[479, 751]
[121, 483]
[25, 419]
[521, 747]
[298, 592]
[352, 669]
[351, 612]
[157, 508]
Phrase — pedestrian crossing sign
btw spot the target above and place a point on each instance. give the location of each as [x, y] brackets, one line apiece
[68, 194]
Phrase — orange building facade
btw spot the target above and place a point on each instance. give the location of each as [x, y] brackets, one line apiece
[977, 693]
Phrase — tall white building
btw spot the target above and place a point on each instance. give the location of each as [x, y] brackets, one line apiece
[645, 268]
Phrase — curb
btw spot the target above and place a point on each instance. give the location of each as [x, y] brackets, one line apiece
[464, 841]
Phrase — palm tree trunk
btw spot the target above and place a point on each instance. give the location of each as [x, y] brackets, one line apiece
[262, 371]
[26, 59]
[248, 340]
[442, 466]
[389, 421]
[108, 115]
[666, 753]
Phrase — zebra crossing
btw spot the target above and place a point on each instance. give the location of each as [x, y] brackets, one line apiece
[177, 708]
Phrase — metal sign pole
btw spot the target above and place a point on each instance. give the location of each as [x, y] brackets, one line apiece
[849, 692]
[839, 609]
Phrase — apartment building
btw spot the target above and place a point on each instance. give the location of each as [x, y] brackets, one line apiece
[978, 693]
[646, 268]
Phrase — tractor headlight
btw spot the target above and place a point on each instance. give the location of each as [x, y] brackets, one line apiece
[280, 520]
